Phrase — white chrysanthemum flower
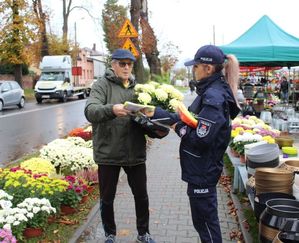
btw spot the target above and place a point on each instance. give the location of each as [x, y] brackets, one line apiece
[10, 219]
[167, 88]
[161, 95]
[144, 98]
[176, 94]
[147, 88]
[30, 215]
[5, 195]
[36, 209]
[88, 129]
[16, 223]
[5, 204]
[7, 226]
[174, 103]
[155, 84]
[138, 87]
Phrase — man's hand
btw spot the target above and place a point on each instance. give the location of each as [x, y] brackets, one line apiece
[173, 126]
[148, 112]
[119, 110]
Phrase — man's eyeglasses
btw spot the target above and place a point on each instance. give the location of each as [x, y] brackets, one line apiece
[123, 64]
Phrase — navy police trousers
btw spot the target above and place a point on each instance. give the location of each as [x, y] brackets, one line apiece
[203, 203]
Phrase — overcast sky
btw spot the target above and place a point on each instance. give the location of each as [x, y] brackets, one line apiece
[189, 23]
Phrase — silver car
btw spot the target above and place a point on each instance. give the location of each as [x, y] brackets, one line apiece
[11, 94]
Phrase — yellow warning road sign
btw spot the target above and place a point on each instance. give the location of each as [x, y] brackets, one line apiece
[131, 47]
[127, 30]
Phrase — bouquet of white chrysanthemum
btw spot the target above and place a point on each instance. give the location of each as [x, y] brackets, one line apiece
[165, 96]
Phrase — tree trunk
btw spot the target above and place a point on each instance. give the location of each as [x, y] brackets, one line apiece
[149, 42]
[43, 31]
[41, 16]
[154, 63]
[15, 39]
[135, 16]
[18, 73]
[66, 9]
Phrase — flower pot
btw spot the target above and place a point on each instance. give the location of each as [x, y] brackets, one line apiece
[273, 217]
[84, 199]
[242, 158]
[66, 210]
[51, 219]
[261, 199]
[284, 141]
[32, 232]
[235, 153]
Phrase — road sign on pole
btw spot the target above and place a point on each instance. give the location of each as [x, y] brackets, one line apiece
[127, 30]
[131, 47]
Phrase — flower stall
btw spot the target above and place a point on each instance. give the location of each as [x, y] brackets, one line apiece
[267, 174]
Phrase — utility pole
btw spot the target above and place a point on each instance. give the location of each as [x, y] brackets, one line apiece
[76, 58]
[213, 34]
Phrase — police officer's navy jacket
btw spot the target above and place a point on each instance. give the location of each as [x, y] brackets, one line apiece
[202, 149]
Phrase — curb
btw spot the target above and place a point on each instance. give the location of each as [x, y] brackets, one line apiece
[241, 218]
[95, 212]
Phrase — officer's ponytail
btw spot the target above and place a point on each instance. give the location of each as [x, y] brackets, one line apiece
[231, 72]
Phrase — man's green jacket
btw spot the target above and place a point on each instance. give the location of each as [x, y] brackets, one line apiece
[116, 140]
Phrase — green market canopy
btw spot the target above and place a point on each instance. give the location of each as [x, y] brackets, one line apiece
[265, 44]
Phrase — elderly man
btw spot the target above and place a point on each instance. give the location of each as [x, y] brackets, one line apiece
[118, 142]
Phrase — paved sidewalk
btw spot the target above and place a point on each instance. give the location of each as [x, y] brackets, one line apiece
[170, 217]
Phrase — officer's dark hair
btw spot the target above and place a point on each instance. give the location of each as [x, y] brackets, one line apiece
[218, 67]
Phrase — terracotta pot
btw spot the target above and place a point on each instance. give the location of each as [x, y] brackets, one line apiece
[242, 158]
[235, 153]
[84, 199]
[66, 210]
[33, 232]
[51, 219]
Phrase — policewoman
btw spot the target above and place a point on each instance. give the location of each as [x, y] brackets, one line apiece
[202, 148]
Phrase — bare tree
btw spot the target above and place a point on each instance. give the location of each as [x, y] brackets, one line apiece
[67, 8]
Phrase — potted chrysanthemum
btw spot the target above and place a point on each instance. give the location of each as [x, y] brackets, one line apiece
[72, 196]
[37, 211]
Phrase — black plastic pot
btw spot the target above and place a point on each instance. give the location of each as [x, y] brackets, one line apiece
[275, 215]
[261, 199]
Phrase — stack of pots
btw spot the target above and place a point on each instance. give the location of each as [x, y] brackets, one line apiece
[296, 187]
[273, 180]
[264, 155]
[274, 218]
[293, 166]
[284, 141]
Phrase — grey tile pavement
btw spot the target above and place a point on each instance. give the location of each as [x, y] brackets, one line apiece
[170, 217]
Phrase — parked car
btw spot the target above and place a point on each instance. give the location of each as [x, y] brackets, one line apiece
[11, 94]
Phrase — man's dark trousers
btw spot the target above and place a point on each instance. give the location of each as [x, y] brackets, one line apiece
[108, 179]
